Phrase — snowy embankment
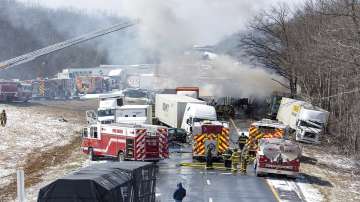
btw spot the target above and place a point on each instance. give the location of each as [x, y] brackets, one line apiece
[32, 128]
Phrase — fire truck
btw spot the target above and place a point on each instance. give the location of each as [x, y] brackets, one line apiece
[213, 135]
[264, 128]
[126, 141]
[8, 90]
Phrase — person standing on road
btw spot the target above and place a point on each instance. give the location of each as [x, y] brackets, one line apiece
[3, 118]
[179, 193]
[209, 163]
[235, 158]
[227, 159]
[242, 141]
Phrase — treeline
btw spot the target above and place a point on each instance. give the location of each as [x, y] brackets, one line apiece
[317, 48]
[27, 27]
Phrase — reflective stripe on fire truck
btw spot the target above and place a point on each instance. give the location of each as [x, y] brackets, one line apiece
[42, 88]
[140, 144]
[163, 143]
[223, 141]
[199, 147]
[255, 134]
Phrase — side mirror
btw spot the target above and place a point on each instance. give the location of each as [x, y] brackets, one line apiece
[188, 121]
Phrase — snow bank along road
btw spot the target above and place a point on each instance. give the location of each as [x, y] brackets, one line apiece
[33, 133]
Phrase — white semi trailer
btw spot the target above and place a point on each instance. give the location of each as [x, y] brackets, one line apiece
[307, 120]
[170, 108]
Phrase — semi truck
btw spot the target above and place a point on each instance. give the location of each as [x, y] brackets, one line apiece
[170, 108]
[198, 120]
[306, 120]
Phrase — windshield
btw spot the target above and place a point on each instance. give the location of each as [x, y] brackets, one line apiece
[200, 119]
[306, 124]
[106, 112]
[181, 131]
[134, 94]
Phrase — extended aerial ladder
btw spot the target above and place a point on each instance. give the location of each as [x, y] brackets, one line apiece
[59, 46]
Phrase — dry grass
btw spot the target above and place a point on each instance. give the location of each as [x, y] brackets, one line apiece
[36, 165]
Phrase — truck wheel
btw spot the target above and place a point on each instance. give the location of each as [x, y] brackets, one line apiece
[259, 174]
[92, 156]
[120, 156]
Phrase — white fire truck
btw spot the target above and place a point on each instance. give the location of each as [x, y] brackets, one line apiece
[126, 141]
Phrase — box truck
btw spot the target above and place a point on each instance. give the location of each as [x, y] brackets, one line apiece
[307, 120]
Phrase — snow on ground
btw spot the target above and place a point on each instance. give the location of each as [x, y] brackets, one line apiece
[30, 128]
[295, 190]
[73, 164]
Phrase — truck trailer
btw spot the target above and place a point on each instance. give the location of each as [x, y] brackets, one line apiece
[306, 120]
[170, 108]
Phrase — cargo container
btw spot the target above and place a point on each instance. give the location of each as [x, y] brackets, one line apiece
[170, 108]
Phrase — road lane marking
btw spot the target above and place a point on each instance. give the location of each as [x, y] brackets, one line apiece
[210, 199]
[277, 197]
[208, 182]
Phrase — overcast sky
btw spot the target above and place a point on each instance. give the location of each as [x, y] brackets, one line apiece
[200, 21]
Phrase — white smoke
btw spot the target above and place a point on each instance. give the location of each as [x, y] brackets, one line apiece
[220, 76]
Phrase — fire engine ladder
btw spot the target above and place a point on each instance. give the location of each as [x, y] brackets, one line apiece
[62, 45]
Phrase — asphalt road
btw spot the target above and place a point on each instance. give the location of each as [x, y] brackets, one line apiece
[208, 185]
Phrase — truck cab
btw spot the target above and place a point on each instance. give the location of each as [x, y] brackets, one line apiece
[196, 113]
[310, 125]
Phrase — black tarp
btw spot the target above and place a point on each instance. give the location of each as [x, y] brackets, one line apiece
[113, 181]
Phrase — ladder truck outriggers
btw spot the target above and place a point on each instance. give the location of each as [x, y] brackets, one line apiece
[137, 142]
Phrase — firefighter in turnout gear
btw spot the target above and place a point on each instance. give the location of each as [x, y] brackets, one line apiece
[235, 158]
[3, 118]
[242, 141]
[245, 159]
[227, 159]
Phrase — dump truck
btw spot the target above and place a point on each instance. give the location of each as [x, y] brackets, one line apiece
[277, 156]
[305, 120]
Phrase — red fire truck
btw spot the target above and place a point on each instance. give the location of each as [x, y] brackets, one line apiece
[126, 142]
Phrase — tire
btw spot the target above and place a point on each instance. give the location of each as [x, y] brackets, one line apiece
[120, 156]
[92, 156]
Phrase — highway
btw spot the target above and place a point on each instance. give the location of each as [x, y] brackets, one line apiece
[208, 185]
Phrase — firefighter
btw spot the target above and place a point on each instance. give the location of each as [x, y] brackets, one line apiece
[242, 141]
[209, 163]
[227, 159]
[245, 159]
[235, 158]
[3, 118]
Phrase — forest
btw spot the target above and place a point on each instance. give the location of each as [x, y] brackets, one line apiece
[317, 48]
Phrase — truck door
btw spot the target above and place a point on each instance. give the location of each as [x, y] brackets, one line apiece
[151, 146]
[129, 148]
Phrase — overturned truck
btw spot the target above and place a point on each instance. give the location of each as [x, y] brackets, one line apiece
[110, 182]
